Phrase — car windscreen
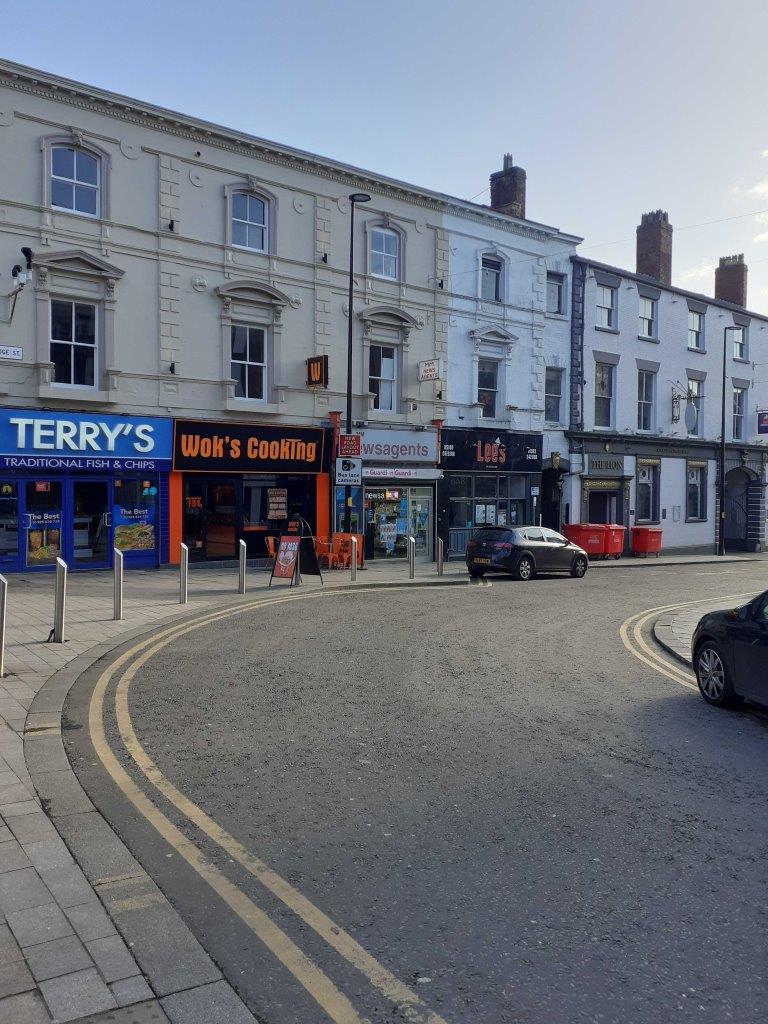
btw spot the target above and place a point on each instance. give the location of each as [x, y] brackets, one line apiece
[491, 536]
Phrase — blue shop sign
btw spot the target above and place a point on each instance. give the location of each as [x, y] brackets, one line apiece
[31, 439]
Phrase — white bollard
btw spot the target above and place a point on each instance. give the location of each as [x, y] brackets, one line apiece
[183, 574]
[241, 555]
[353, 561]
[3, 619]
[411, 557]
[60, 601]
[440, 556]
[117, 585]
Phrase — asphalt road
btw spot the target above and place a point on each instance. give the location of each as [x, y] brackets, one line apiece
[509, 811]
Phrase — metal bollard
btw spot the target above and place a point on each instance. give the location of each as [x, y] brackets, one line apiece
[440, 556]
[353, 561]
[3, 610]
[241, 554]
[411, 557]
[60, 601]
[183, 574]
[117, 585]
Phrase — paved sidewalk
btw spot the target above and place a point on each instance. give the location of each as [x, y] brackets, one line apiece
[61, 956]
[674, 630]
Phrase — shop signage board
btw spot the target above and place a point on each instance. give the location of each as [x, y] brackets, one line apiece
[317, 372]
[399, 446]
[606, 465]
[349, 472]
[204, 446]
[401, 473]
[11, 352]
[762, 422]
[484, 450]
[430, 369]
[277, 503]
[349, 445]
[296, 553]
[31, 439]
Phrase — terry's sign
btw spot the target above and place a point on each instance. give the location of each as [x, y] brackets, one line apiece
[206, 447]
[71, 441]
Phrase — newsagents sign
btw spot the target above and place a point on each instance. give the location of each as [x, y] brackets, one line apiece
[30, 439]
[399, 446]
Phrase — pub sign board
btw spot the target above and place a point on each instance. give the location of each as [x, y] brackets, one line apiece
[317, 372]
[483, 450]
[203, 446]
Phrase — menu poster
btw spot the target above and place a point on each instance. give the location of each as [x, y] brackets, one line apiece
[277, 503]
[287, 555]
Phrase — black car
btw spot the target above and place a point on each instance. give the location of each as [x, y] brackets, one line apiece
[523, 551]
[730, 654]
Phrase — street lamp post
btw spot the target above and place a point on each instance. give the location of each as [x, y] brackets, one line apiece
[356, 197]
[721, 483]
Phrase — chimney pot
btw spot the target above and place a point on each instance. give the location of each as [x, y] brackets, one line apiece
[508, 189]
[654, 246]
[731, 280]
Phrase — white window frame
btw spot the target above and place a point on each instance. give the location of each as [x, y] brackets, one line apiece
[696, 475]
[696, 333]
[645, 403]
[393, 379]
[497, 269]
[648, 317]
[560, 376]
[610, 310]
[648, 476]
[265, 227]
[610, 397]
[380, 229]
[74, 181]
[74, 344]
[739, 412]
[696, 392]
[494, 390]
[558, 280]
[264, 365]
[740, 348]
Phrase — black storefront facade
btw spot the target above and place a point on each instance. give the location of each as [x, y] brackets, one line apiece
[490, 478]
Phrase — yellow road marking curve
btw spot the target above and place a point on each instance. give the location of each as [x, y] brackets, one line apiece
[631, 633]
[316, 983]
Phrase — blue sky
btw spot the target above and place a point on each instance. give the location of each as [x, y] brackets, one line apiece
[613, 108]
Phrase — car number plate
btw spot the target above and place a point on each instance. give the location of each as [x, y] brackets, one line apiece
[482, 561]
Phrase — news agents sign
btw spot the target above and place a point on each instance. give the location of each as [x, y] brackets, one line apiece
[399, 446]
[349, 472]
[30, 439]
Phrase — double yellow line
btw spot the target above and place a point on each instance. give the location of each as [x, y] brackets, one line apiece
[336, 1005]
[631, 633]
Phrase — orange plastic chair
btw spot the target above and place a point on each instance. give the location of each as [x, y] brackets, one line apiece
[271, 543]
[345, 551]
[324, 550]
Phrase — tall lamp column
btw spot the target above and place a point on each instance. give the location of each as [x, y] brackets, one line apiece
[356, 197]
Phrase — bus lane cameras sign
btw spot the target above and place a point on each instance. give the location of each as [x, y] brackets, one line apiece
[349, 472]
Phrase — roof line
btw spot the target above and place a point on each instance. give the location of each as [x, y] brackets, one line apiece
[36, 76]
[646, 279]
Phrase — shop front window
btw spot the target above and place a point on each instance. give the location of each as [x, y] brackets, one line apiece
[9, 521]
[134, 510]
[90, 522]
[485, 500]
[43, 522]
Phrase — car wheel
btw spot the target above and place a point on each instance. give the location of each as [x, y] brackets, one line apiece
[713, 677]
[476, 574]
[579, 567]
[524, 569]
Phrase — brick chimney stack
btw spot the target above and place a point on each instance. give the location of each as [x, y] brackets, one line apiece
[731, 280]
[508, 189]
[654, 246]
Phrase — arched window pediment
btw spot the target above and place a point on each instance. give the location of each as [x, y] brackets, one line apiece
[255, 292]
[389, 316]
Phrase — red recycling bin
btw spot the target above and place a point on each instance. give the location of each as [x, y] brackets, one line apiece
[590, 536]
[614, 540]
[646, 540]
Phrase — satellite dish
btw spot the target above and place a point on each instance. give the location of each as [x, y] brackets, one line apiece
[690, 417]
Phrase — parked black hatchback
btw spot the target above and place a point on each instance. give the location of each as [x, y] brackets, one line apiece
[523, 551]
[730, 654]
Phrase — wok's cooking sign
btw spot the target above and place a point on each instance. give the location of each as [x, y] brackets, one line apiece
[204, 447]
